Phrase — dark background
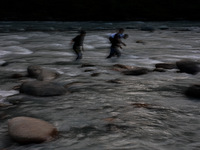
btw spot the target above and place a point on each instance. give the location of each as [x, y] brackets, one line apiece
[99, 10]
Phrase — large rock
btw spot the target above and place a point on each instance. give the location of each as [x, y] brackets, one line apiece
[34, 71]
[41, 74]
[39, 88]
[188, 66]
[193, 91]
[31, 130]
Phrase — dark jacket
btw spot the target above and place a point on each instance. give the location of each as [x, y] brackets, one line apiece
[78, 40]
[116, 41]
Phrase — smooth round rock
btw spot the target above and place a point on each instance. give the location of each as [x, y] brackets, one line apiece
[39, 88]
[31, 130]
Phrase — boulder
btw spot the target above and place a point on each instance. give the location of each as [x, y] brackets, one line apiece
[34, 71]
[47, 75]
[120, 67]
[193, 91]
[41, 74]
[188, 66]
[39, 88]
[166, 65]
[26, 130]
[136, 71]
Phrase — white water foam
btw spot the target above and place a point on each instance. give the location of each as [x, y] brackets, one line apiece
[14, 37]
[4, 53]
[8, 93]
[88, 47]
[56, 53]
[16, 50]
[8, 43]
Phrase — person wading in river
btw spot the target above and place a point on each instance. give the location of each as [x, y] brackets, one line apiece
[78, 44]
[116, 42]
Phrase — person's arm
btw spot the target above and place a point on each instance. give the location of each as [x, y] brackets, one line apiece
[120, 41]
[73, 40]
[123, 43]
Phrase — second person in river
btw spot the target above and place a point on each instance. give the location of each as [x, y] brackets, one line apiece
[78, 44]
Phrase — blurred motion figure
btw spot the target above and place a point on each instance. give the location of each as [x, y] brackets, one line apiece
[116, 43]
[78, 44]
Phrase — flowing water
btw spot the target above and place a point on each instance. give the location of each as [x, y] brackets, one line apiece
[147, 112]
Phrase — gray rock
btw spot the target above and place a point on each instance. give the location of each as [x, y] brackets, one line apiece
[188, 66]
[39, 88]
[34, 71]
[31, 130]
[41, 74]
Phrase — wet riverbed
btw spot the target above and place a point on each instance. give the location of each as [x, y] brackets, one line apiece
[136, 112]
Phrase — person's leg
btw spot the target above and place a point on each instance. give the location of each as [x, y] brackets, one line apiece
[117, 52]
[112, 52]
[78, 53]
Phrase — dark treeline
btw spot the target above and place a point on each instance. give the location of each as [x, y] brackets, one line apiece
[97, 10]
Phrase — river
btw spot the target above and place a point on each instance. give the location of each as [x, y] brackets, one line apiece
[147, 112]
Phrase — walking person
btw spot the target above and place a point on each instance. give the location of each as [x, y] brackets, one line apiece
[116, 43]
[78, 44]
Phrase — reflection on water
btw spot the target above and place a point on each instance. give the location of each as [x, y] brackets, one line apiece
[104, 109]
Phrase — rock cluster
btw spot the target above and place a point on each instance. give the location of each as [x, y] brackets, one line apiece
[31, 130]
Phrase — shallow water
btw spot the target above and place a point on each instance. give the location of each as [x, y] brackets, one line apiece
[96, 114]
